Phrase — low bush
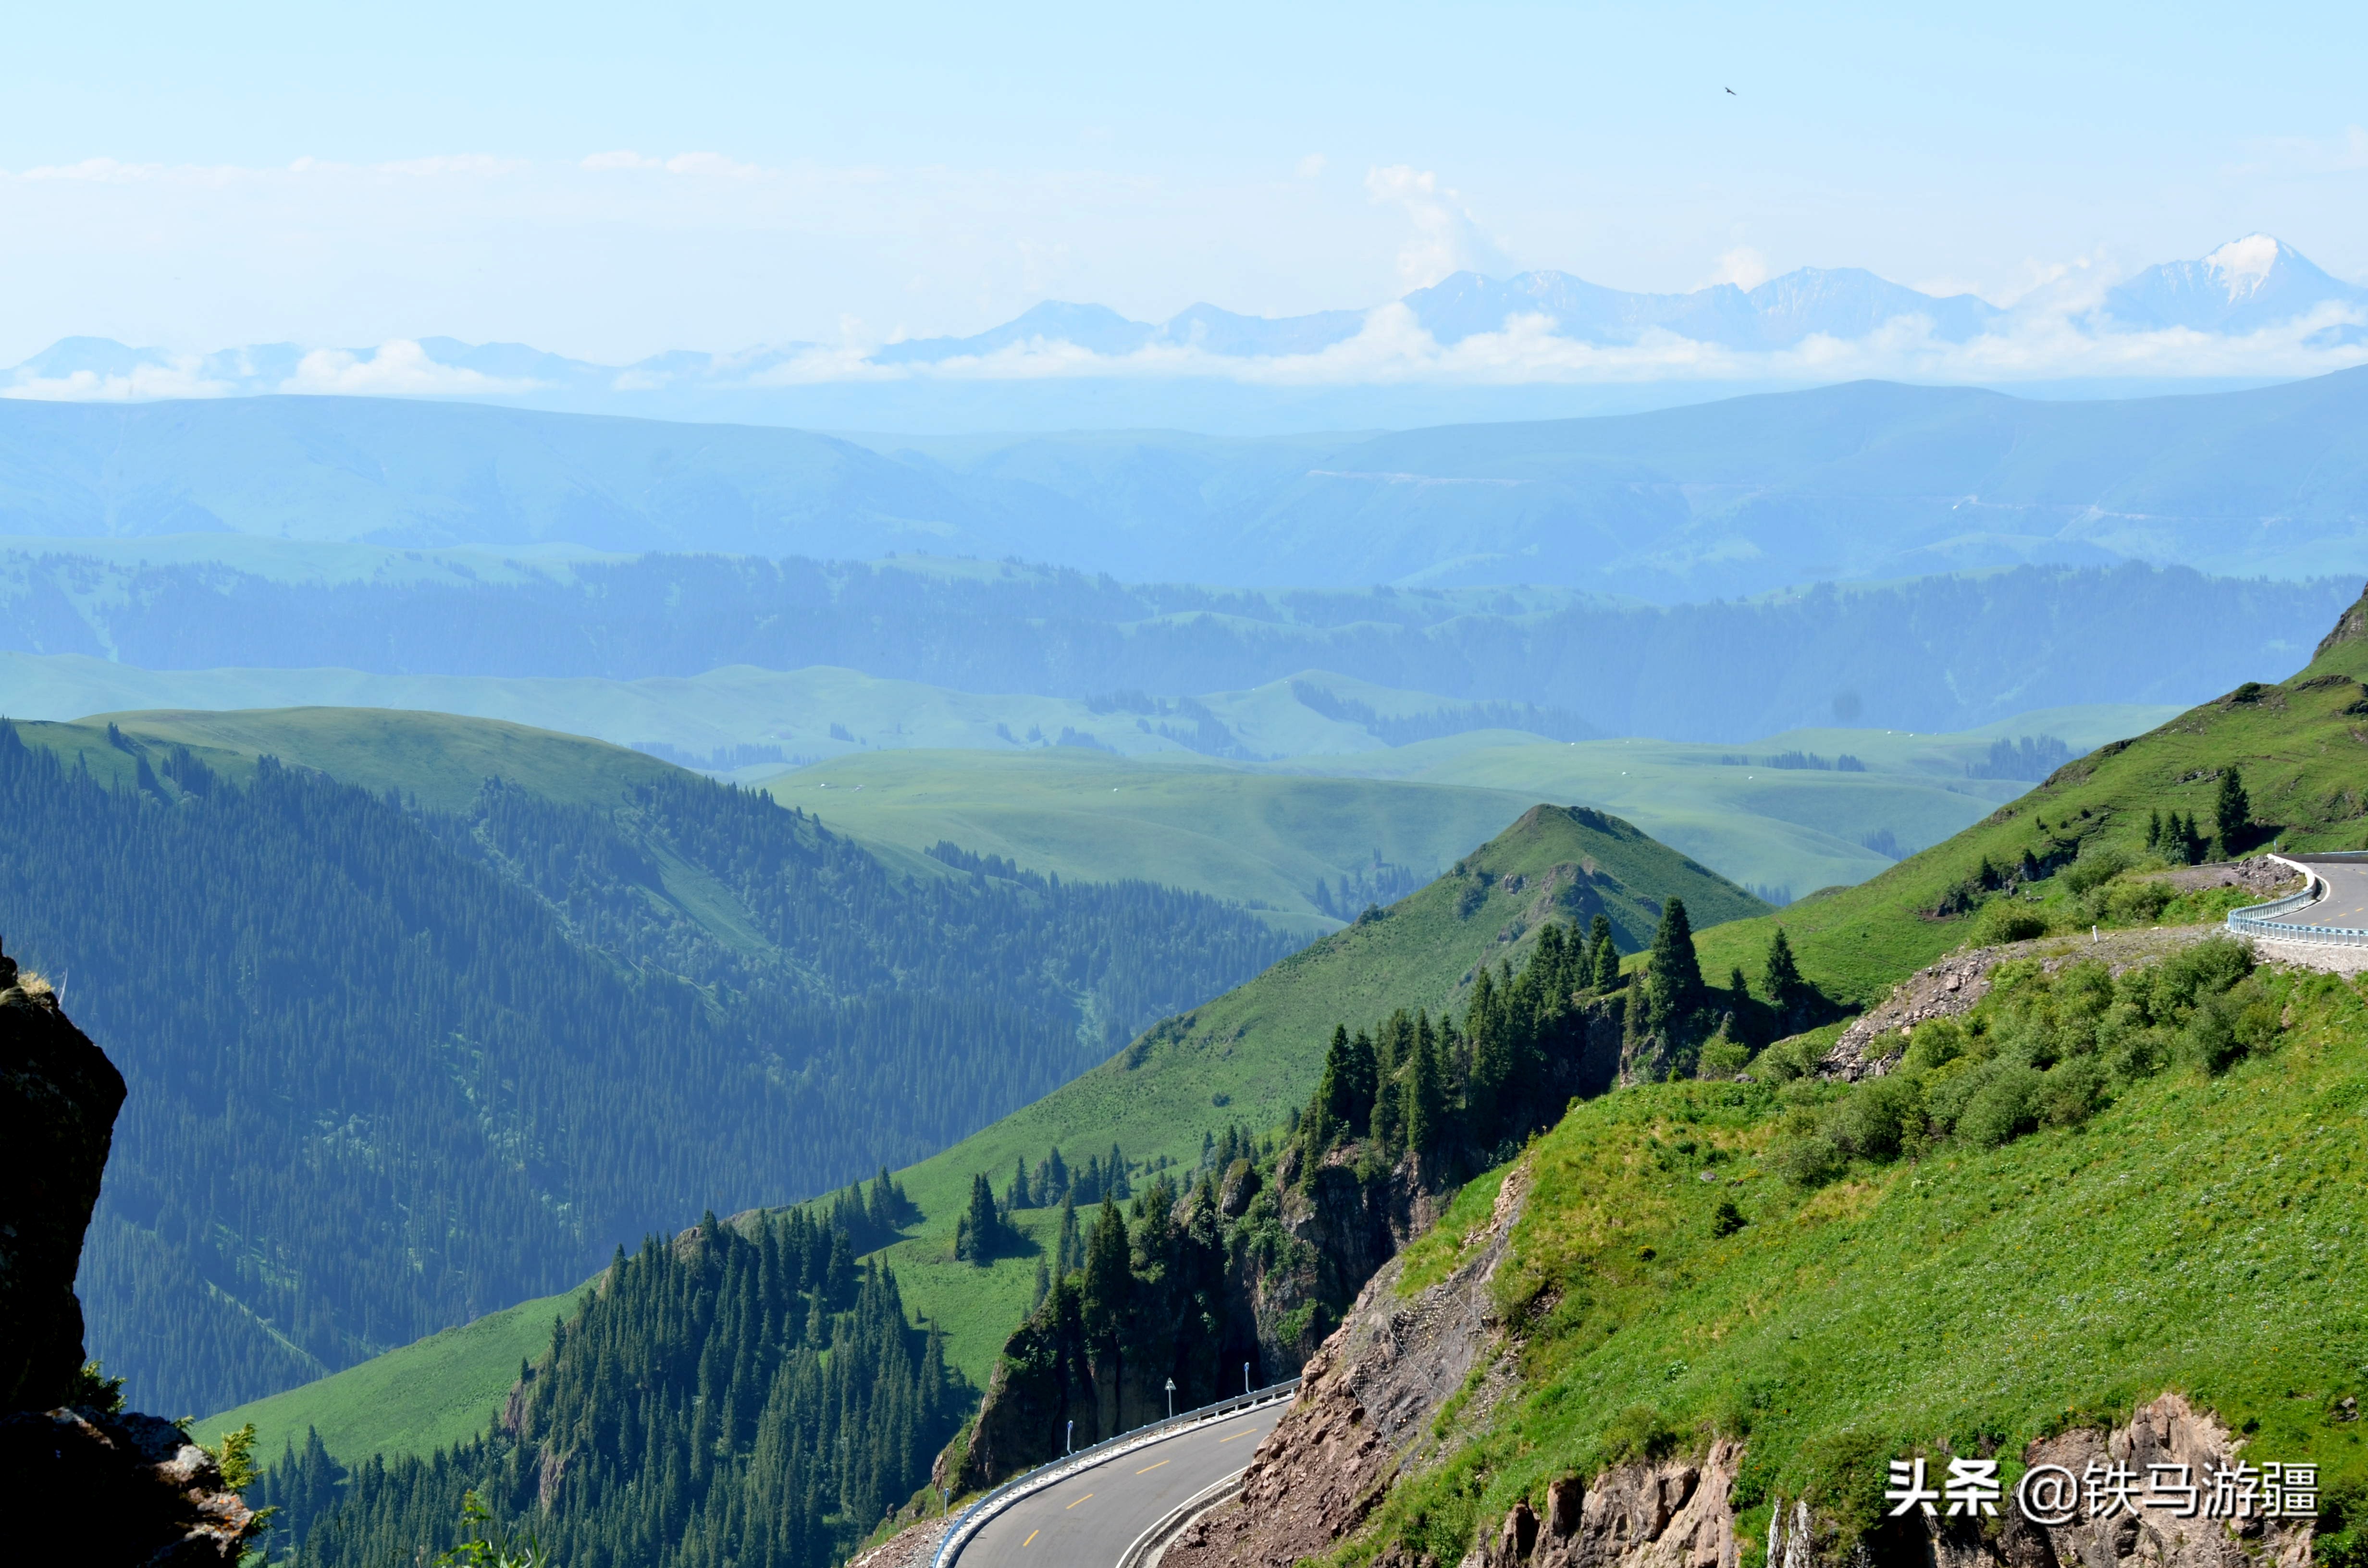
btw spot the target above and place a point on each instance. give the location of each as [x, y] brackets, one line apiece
[2007, 919]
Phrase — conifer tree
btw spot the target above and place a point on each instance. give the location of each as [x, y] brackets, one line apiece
[1674, 984]
[1605, 953]
[2232, 812]
[1108, 1276]
[1069, 1253]
[1780, 981]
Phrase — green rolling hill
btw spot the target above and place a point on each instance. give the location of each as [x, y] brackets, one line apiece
[1245, 1058]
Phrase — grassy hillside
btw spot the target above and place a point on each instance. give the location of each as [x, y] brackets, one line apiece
[1254, 1054]
[439, 758]
[2196, 1234]
[1260, 836]
[1248, 1057]
[427, 1395]
[2299, 743]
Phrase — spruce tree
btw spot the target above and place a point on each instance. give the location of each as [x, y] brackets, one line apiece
[1605, 954]
[1781, 979]
[1674, 984]
[2232, 812]
[1426, 1111]
[1108, 1278]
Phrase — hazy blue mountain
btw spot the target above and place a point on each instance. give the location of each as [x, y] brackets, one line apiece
[2241, 288]
[1844, 303]
[2244, 286]
[1868, 479]
[701, 632]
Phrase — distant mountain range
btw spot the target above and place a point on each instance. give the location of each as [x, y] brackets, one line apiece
[1470, 347]
[1868, 479]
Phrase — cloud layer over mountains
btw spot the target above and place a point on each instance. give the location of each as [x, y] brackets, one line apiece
[2254, 308]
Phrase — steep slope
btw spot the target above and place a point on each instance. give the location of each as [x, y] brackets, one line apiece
[391, 1067]
[1679, 1346]
[1249, 1058]
[2300, 746]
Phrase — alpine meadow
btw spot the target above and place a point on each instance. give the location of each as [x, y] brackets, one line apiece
[1536, 788]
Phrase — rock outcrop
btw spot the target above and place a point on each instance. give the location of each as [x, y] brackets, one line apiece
[1670, 1513]
[59, 1095]
[1364, 1410]
[110, 1486]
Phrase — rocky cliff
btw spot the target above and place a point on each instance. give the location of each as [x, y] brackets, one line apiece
[1370, 1415]
[115, 1486]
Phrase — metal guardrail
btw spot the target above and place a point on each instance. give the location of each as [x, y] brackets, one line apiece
[2259, 919]
[974, 1518]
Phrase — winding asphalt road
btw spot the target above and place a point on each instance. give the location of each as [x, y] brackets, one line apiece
[2345, 903]
[1089, 1519]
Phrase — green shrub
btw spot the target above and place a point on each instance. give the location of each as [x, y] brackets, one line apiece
[2137, 903]
[2003, 1108]
[1722, 1058]
[1727, 1219]
[1875, 1119]
[2098, 864]
[2006, 920]
[1811, 1160]
[1936, 1042]
[2070, 1093]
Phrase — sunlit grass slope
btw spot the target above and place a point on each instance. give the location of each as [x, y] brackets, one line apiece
[425, 1396]
[1259, 836]
[1253, 1054]
[2303, 746]
[2201, 1234]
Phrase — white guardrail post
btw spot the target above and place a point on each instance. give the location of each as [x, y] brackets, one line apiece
[2260, 920]
[970, 1520]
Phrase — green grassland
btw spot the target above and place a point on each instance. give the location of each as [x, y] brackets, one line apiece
[2200, 1234]
[1247, 1058]
[1262, 837]
[2303, 746]
[427, 1395]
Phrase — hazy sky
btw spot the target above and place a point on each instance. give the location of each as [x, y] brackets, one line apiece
[609, 182]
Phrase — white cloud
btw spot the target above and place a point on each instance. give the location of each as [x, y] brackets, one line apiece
[144, 382]
[1743, 266]
[398, 369]
[1446, 239]
[621, 159]
[1311, 165]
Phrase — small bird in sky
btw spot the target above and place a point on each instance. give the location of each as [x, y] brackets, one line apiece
[1733, 93]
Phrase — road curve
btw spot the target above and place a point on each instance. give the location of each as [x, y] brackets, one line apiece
[1088, 1520]
[2344, 904]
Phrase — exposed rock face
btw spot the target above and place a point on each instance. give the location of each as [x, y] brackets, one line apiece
[59, 1095]
[2352, 626]
[1670, 1515]
[131, 1489]
[1364, 1410]
[127, 1489]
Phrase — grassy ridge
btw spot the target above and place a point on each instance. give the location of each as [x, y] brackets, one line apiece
[2200, 1235]
[1247, 1057]
[427, 1395]
[1260, 836]
[2299, 743]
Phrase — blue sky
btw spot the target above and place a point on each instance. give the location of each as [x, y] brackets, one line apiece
[608, 181]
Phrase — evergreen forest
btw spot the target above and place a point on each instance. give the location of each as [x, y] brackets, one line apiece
[742, 1396]
[391, 1069]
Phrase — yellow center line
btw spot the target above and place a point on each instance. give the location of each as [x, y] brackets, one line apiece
[1032, 1536]
[1237, 1435]
[1146, 1470]
[1079, 1500]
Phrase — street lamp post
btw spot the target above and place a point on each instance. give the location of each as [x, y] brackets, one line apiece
[1068, 1439]
[1246, 1378]
[1171, 1399]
